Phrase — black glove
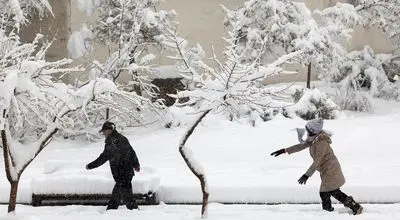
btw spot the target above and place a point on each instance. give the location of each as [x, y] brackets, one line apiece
[303, 179]
[278, 152]
[137, 169]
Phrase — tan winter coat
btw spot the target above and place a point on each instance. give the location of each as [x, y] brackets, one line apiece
[325, 162]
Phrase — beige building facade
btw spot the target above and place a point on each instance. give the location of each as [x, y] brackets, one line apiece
[201, 21]
[55, 28]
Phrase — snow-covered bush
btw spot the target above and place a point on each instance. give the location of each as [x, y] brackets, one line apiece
[269, 114]
[311, 104]
[353, 100]
[362, 75]
[392, 68]
[363, 71]
[342, 18]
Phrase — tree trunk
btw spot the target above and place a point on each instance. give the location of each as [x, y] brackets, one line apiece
[196, 172]
[6, 156]
[107, 114]
[206, 194]
[309, 76]
[7, 164]
[13, 178]
[13, 196]
[137, 87]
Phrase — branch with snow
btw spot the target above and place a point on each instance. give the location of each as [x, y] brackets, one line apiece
[15, 13]
[383, 14]
[136, 27]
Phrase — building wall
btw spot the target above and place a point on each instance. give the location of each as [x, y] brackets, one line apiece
[54, 28]
[201, 21]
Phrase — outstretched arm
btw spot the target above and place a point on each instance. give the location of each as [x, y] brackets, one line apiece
[297, 148]
[104, 157]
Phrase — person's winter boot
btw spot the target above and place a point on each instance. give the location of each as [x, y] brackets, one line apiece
[326, 201]
[353, 205]
[132, 205]
[328, 208]
[327, 205]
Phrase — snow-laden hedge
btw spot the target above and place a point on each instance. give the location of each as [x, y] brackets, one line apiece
[311, 104]
[353, 100]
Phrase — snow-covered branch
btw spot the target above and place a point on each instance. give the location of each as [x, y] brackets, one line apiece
[17, 12]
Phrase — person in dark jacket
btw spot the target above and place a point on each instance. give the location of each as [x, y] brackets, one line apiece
[324, 160]
[123, 161]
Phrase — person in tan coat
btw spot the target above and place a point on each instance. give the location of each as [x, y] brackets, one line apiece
[325, 162]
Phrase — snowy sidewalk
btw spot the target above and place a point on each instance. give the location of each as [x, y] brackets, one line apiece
[216, 212]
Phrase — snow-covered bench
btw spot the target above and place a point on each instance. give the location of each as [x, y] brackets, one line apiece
[65, 183]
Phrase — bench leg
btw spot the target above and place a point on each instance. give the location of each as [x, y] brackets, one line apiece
[151, 199]
[36, 200]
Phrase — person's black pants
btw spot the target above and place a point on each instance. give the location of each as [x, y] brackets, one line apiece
[326, 198]
[122, 190]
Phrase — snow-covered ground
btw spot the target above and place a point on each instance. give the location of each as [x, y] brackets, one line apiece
[239, 168]
[216, 212]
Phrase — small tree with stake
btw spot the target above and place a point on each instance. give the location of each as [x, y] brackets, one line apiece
[261, 37]
[234, 84]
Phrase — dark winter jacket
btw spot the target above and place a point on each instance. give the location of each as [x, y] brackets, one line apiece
[121, 156]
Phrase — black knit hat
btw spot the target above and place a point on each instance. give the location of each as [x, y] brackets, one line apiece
[107, 126]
